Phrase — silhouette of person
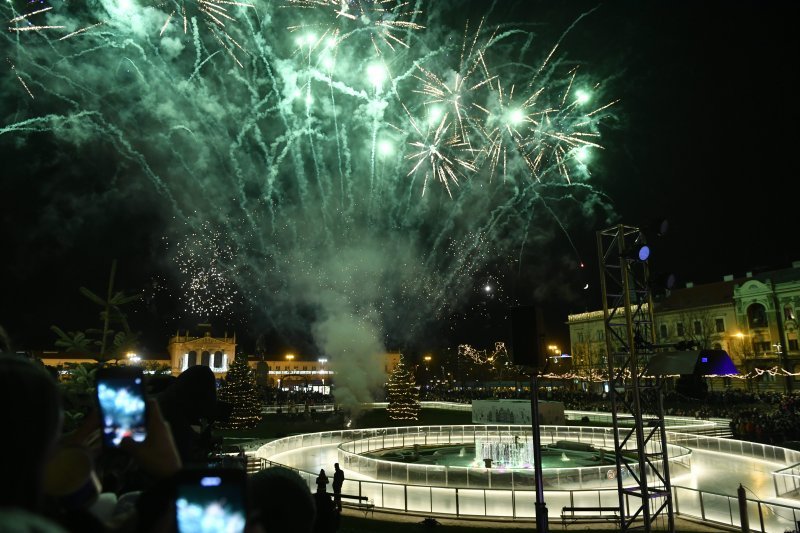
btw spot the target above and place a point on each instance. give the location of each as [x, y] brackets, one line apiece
[327, 520]
[338, 481]
[188, 401]
[282, 500]
[322, 481]
[31, 425]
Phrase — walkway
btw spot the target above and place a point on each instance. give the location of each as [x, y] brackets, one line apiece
[681, 524]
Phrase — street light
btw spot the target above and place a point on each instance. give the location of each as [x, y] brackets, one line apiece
[322, 362]
[427, 359]
[741, 337]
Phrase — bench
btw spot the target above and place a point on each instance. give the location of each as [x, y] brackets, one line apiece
[568, 514]
[362, 503]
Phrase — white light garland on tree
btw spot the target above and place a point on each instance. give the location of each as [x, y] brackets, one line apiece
[403, 394]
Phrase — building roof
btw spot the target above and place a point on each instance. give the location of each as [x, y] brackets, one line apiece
[784, 275]
[706, 295]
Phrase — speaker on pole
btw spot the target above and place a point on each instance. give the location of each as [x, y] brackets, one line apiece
[527, 334]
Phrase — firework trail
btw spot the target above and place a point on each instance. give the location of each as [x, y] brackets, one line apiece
[346, 167]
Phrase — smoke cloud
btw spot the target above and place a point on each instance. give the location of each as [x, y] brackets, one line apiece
[361, 172]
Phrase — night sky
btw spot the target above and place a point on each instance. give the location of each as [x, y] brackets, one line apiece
[703, 136]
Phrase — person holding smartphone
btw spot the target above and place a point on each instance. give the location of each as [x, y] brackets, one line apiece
[130, 446]
[189, 403]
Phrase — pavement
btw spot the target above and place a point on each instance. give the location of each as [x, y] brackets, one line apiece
[555, 525]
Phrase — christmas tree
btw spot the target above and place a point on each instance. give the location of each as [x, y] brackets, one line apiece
[239, 390]
[403, 394]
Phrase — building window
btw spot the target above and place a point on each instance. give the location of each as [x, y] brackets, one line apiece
[762, 346]
[600, 335]
[680, 329]
[793, 344]
[192, 359]
[305, 367]
[580, 337]
[314, 368]
[756, 316]
[663, 331]
[788, 312]
[205, 359]
[218, 359]
[719, 325]
[698, 328]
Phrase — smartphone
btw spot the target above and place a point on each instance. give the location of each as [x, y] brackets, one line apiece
[211, 500]
[121, 400]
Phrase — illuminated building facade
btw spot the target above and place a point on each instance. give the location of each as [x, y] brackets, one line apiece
[296, 371]
[187, 350]
[753, 318]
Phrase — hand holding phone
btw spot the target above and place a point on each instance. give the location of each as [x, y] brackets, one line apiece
[157, 455]
[121, 401]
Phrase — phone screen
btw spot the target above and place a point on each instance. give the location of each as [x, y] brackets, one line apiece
[211, 503]
[122, 408]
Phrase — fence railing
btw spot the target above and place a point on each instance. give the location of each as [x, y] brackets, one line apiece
[764, 517]
[765, 452]
[298, 408]
[352, 453]
[489, 500]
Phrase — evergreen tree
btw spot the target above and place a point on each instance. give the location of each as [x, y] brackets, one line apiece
[112, 344]
[403, 394]
[239, 389]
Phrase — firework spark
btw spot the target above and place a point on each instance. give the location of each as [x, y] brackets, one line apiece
[23, 22]
[207, 263]
[340, 178]
[24, 85]
[384, 20]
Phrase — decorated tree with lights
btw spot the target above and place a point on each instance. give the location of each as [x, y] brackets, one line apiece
[403, 394]
[239, 389]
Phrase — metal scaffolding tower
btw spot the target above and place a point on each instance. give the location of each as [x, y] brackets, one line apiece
[640, 441]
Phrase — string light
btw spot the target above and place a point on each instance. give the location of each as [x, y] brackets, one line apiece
[403, 394]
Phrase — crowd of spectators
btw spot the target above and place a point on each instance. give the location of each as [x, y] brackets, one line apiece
[775, 420]
[55, 481]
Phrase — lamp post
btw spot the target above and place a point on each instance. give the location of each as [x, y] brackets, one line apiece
[289, 357]
[427, 360]
[322, 362]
